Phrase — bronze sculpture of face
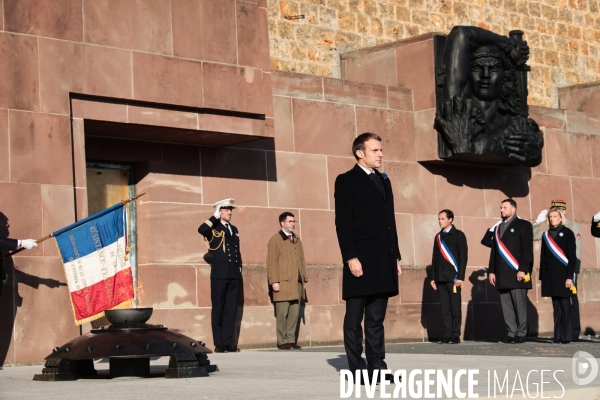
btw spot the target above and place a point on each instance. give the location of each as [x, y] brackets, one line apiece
[487, 78]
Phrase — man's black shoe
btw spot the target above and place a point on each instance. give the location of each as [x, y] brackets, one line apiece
[232, 349]
[455, 340]
[507, 340]
[220, 349]
[445, 340]
[519, 339]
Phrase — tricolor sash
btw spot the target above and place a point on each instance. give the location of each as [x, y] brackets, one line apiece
[554, 249]
[504, 252]
[446, 253]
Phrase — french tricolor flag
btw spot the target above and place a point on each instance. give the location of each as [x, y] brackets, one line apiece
[94, 253]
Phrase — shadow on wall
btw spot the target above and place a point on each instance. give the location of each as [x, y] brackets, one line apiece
[249, 161]
[513, 183]
[10, 299]
[431, 312]
[484, 319]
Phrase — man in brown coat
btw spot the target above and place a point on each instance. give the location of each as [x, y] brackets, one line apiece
[286, 273]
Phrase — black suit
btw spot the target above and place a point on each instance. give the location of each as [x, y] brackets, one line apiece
[366, 230]
[7, 244]
[518, 239]
[444, 275]
[225, 278]
[595, 229]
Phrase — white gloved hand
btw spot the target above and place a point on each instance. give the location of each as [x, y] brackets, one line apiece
[541, 217]
[495, 225]
[218, 212]
[28, 244]
[597, 217]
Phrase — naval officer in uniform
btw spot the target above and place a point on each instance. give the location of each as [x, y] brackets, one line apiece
[223, 243]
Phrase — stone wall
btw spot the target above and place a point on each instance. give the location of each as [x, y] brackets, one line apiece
[564, 35]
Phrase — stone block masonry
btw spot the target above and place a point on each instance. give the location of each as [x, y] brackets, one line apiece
[563, 35]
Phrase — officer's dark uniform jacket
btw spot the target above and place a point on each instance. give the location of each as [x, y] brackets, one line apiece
[443, 271]
[518, 239]
[8, 244]
[554, 273]
[224, 248]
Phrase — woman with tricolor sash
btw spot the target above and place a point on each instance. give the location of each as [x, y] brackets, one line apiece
[557, 265]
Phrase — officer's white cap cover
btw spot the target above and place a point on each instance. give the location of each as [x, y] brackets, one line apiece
[225, 203]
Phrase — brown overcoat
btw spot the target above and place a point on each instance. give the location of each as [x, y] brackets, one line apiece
[285, 259]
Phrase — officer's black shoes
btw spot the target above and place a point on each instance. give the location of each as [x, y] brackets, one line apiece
[519, 339]
[507, 340]
[455, 340]
[285, 346]
[231, 349]
[220, 349]
[444, 341]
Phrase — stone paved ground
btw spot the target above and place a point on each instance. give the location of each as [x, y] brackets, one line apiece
[313, 373]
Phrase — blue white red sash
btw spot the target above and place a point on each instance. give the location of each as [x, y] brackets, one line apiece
[446, 253]
[554, 249]
[504, 252]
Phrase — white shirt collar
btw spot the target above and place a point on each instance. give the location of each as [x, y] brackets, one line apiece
[364, 169]
[286, 233]
[448, 230]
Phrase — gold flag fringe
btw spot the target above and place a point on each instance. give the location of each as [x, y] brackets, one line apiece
[123, 305]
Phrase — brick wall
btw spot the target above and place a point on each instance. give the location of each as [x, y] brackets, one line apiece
[564, 35]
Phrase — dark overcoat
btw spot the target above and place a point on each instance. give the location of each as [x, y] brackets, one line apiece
[6, 244]
[553, 273]
[366, 229]
[518, 239]
[595, 229]
[443, 271]
[224, 248]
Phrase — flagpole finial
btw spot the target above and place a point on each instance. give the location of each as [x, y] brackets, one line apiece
[132, 198]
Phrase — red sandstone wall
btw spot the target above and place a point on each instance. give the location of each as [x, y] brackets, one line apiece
[193, 55]
[145, 75]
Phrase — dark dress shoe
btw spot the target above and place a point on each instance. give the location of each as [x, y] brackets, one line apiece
[455, 340]
[444, 341]
[220, 349]
[507, 340]
[295, 346]
[232, 349]
[285, 346]
[519, 339]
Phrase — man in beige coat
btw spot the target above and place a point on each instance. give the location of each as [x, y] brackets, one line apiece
[286, 273]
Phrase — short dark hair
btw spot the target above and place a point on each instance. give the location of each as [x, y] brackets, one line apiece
[510, 201]
[449, 214]
[283, 216]
[359, 142]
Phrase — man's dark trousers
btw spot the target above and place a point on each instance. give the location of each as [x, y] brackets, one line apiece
[373, 308]
[451, 308]
[224, 295]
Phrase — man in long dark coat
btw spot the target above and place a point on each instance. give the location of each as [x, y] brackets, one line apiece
[511, 262]
[366, 231]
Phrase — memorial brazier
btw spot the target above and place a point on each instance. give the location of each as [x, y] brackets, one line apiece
[481, 99]
[128, 344]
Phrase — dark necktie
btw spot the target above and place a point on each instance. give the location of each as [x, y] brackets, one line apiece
[228, 228]
[444, 233]
[377, 182]
[291, 238]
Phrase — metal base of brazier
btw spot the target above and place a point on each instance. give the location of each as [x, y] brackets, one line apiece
[128, 348]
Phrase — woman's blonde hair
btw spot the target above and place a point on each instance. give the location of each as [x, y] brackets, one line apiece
[559, 211]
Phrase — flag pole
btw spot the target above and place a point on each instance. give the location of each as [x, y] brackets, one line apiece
[123, 202]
